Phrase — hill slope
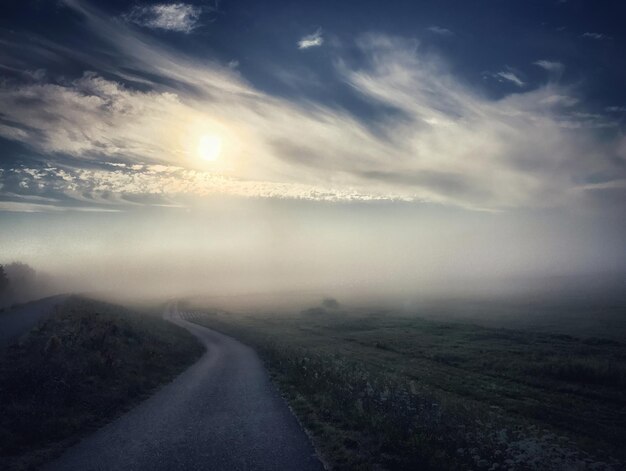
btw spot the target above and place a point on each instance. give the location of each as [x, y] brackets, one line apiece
[80, 368]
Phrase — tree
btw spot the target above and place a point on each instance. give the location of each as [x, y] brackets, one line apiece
[4, 285]
[23, 279]
[4, 280]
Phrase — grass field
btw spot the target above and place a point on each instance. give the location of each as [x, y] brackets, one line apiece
[379, 391]
[87, 364]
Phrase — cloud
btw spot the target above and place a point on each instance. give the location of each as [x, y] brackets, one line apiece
[118, 183]
[510, 76]
[312, 40]
[26, 207]
[560, 100]
[36, 75]
[439, 30]
[89, 116]
[179, 17]
[550, 66]
[596, 36]
[609, 185]
[445, 142]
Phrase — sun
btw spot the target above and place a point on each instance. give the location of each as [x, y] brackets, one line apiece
[209, 147]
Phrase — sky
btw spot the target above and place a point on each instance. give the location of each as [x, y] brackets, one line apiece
[262, 145]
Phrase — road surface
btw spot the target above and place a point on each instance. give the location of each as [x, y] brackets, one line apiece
[223, 413]
[19, 320]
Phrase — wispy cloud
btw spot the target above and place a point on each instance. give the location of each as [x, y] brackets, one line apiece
[550, 66]
[180, 17]
[596, 36]
[447, 143]
[439, 30]
[311, 40]
[559, 100]
[510, 76]
[27, 207]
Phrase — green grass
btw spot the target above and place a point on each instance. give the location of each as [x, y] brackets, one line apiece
[82, 367]
[388, 392]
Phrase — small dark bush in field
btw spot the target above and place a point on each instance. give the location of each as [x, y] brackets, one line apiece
[330, 303]
[52, 344]
[84, 365]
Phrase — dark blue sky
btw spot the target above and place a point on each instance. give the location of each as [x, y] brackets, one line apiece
[487, 35]
[400, 69]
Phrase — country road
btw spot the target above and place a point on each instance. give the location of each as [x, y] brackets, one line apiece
[222, 413]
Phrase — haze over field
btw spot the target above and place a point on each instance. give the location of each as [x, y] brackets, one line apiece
[419, 149]
[338, 249]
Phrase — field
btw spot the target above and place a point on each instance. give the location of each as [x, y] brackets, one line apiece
[85, 365]
[383, 391]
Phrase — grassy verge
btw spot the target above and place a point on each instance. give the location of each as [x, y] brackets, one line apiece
[79, 369]
[385, 392]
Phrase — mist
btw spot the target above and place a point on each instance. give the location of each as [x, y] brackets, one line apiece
[360, 251]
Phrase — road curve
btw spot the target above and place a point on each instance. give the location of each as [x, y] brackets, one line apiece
[222, 413]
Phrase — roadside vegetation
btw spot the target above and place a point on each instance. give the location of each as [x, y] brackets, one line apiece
[378, 391]
[82, 367]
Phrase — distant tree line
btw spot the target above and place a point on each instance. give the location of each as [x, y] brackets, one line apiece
[19, 282]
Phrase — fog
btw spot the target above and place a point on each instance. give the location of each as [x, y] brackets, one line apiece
[361, 252]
